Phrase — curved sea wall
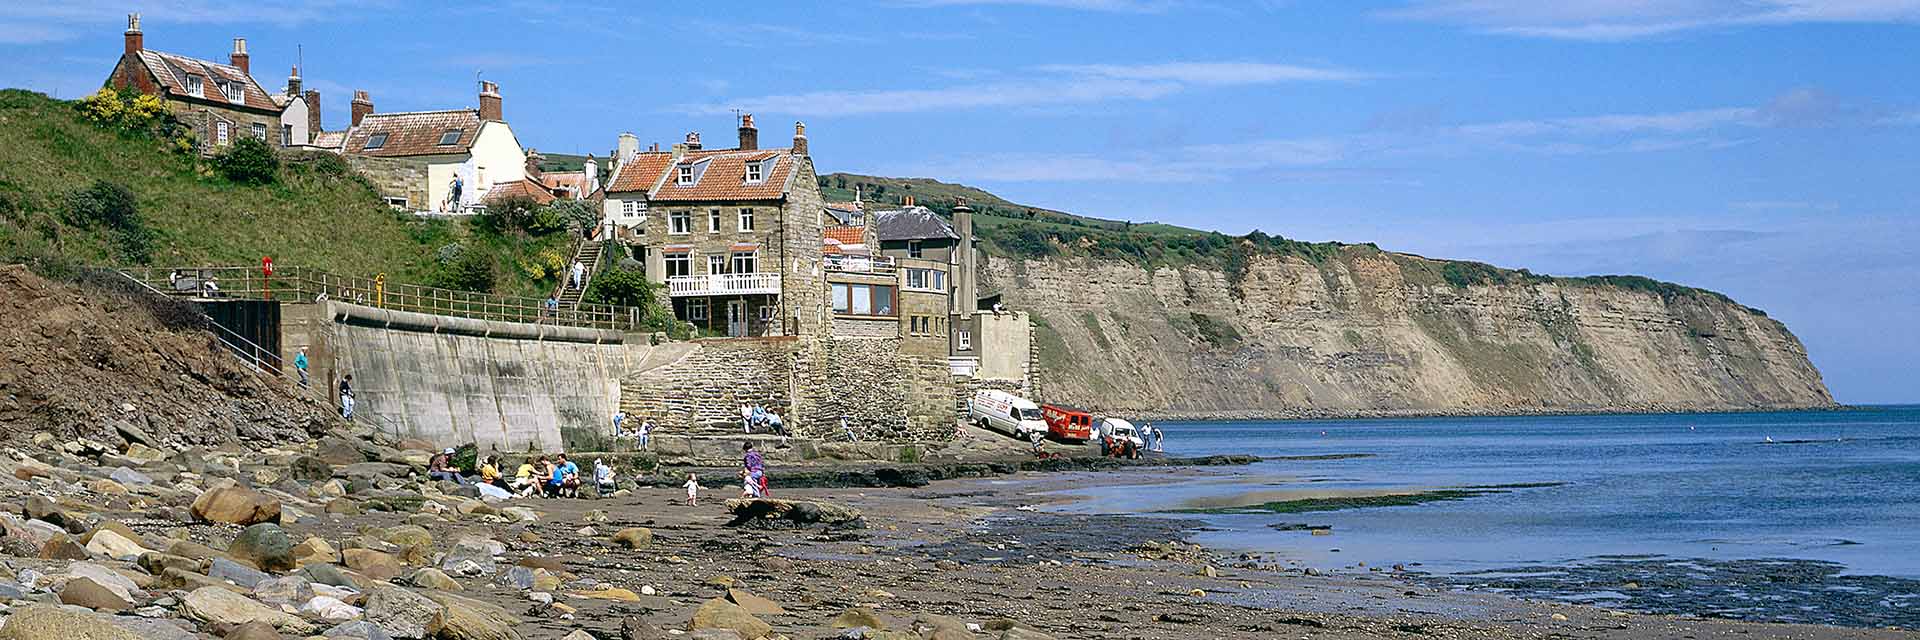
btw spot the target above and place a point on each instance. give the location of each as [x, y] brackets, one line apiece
[1375, 333]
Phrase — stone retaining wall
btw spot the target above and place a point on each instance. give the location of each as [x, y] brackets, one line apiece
[886, 395]
[701, 394]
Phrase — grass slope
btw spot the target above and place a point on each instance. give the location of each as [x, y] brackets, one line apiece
[315, 215]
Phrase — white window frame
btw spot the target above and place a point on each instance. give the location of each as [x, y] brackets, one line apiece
[372, 139]
[754, 173]
[746, 220]
[716, 264]
[260, 131]
[745, 261]
[396, 202]
[680, 223]
[196, 86]
[698, 309]
[964, 338]
[234, 91]
[221, 131]
[765, 313]
[928, 280]
[682, 258]
[685, 176]
[713, 221]
[914, 250]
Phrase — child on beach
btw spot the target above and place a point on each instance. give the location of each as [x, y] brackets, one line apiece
[693, 490]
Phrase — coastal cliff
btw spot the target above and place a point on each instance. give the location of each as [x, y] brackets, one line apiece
[1368, 332]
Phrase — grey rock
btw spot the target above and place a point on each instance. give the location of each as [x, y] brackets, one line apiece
[240, 574]
[266, 545]
[293, 590]
[130, 477]
[517, 577]
[403, 614]
[358, 630]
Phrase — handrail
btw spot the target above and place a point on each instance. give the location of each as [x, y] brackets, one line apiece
[306, 284]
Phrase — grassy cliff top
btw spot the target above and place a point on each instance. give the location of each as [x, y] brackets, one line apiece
[316, 213]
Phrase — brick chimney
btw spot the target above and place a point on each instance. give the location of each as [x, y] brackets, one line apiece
[362, 106]
[239, 56]
[966, 298]
[293, 82]
[799, 138]
[693, 141]
[313, 114]
[749, 136]
[490, 102]
[135, 40]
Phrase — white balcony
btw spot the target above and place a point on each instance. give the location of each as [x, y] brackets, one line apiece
[724, 284]
[860, 264]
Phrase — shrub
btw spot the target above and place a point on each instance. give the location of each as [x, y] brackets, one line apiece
[620, 288]
[128, 111]
[248, 161]
[111, 206]
[507, 214]
[577, 214]
[470, 271]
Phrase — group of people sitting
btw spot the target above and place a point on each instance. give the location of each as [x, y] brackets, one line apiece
[552, 477]
[756, 417]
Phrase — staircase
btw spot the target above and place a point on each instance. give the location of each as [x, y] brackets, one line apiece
[587, 252]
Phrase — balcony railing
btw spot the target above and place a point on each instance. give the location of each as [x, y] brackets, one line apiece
[724, 284]
[860, 264]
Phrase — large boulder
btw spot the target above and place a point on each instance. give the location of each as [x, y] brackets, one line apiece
[216, 605]
[310, 469]
[234, 504]
[84, 592]
[40, 622]
[775, 513]
[718, 613]
[266, 546]
[469, 619]
[755, 605]
[110, 543]
[374, 564]
[403, 614]
[634, 537]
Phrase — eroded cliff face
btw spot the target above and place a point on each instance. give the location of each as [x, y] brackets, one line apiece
[1375, 333]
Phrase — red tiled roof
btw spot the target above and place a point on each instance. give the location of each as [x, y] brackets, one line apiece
[575, 180]
[415, 133]
[521, 187]
[847, 235]
[171, 70]
[640, 174]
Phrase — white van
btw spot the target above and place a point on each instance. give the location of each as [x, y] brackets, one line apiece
[1002, 411]
[1120, 430]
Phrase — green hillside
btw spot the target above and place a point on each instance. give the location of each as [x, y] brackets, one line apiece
[314, 213]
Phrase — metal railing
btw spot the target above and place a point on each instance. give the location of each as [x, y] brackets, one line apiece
[861, 264]
[301, 284]
[724, 284]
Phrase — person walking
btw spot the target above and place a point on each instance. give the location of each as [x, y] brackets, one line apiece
[753, 473]
[645, 435]
[346, 398]
[300, 366]
[579, 273]
[693, 490]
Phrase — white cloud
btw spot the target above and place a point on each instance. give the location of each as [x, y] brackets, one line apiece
[1047, 85]
[1617, 20]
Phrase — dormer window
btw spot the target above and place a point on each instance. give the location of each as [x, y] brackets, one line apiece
[233, 91]
[686, 174]
[452, 136]
[753, 172]
[376, 141]
[196, 86]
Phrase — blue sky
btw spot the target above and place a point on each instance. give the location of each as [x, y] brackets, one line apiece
[1769, 149]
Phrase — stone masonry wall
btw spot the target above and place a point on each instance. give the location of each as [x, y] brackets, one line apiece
[701, 394]
[885, 395]
[395, 178]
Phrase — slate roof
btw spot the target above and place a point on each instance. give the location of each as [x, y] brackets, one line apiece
[414, 133]
[911, 223]
[171, 71]
[719, 175]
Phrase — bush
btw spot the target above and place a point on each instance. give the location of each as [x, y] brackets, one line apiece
[619, 288]
[507, 214]
[577, 214]
[248, 161]
[470, 271]
[128, 111]
[111, 206]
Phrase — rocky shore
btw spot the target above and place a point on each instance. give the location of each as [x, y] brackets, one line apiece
[342, 538]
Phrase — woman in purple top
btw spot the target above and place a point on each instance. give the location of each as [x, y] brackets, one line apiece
[753, 473]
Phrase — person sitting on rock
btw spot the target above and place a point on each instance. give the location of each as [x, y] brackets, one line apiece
[603, 476]
[490, 473]
[548, 487]
[566, 477]
[439, 467]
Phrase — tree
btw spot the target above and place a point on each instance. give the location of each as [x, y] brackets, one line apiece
[248, 161]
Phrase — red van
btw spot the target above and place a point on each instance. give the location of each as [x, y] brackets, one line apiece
[1067, 423]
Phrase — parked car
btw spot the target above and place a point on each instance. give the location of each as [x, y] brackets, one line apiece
[1121, 430]
[1067, 424]
[1008, 413]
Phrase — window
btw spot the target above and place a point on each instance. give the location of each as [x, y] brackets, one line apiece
[686, 174]
[397, 202]
[260, 131]
[697, 309]
[196, 86]
[632, 208]
[753, 172]
[234, 91]
[713, 221]
[376, 141]
[913, 248]
[286, 135]
[964, 339]
[863, 299]
[744, 262]
[679, 264]
[766, 313]
[716, 265]
[927, 280]
[746, 220]
[680, 222]
[452, 136]
[220, 132]
[917, 325]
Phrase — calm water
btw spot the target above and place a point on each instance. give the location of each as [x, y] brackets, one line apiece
[1841, 487]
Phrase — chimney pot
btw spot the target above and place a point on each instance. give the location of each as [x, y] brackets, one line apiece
[135, 40]
[693, 141]
[239, 56]
[749, 136]
[362, 106]
[799, 138]
[293, 82]
[490, 105]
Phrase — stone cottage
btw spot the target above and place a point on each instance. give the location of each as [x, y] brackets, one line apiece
[419, 159]
[217, 102]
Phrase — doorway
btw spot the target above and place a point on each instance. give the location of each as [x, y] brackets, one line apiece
[736, 318]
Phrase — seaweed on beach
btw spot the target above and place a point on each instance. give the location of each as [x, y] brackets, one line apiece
[1342, 503]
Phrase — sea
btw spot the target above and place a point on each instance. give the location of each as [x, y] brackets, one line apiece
[1787, 516]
